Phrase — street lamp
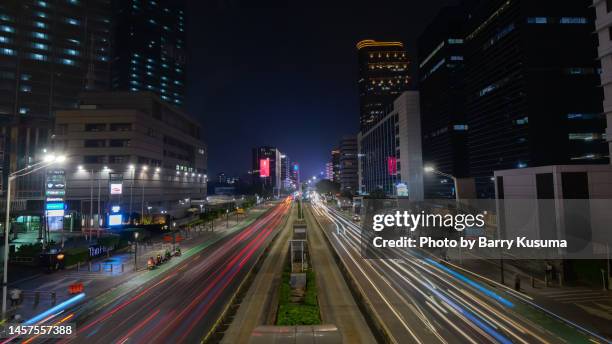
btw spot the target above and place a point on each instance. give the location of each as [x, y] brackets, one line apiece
[48, 160]
[135, 251]
[431, 169]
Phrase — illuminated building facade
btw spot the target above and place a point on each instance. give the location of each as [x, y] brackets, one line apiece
[335, 165]
[349, 174]
[390, 156]
[267, 169]
[49, 52]
[383, 76]
[150, 48]
[155, 149]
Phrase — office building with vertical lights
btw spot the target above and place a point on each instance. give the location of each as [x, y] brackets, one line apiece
[390, 152]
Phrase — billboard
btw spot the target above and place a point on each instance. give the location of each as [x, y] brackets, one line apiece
[115, 220]
[116, 188]
[392, 165]
[264, 167]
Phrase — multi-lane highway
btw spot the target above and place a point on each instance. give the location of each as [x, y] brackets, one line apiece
[182, 302]
[416, 299]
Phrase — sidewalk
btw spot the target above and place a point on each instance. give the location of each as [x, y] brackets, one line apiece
[588, 307]
[109, 272]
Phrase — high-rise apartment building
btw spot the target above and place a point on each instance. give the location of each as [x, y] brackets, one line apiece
[150, 48]
[50, 51]
[383, 76]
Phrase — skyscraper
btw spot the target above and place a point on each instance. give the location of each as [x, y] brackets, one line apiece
[390, 152]
[349, 178]
[267, 169]
[150, 48]
[383, 76]
[441, 84]
[335, 162]
[49, 52]
[532, 87]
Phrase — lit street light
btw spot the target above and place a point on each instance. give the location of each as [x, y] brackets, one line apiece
[135, 251]
[431, 169]
[48, 160]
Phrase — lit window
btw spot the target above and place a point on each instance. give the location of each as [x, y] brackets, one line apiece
[7, 28]
[42, 4]
[39, 35]
[39, 57]
[68, 62]
[573, 20]
[26, 88]
[456, 58]
[4, 39]
[537, 20]
[455, 41]
[74, 2]
[586, 136]
[521, 164]
[5, 17]
[72, 52]
[583, 116]
[41, 14]
[72, 21]
[40, 46]
[23, 110]
[460, 127]
[40, 25]
[74, 41]
[521, 121]
[7, 51]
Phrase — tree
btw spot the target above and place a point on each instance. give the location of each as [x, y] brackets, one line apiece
[325, 186]
[377, 193]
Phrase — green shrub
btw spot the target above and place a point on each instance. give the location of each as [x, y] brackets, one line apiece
[29, 250]
[74, 255]
[109, 241]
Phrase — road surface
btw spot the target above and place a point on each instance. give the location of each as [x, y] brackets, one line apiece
[418, 300]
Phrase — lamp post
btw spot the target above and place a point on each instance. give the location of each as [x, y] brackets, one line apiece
[131, 168]
[135, 251]
[226, 218]
[144, 168]
[430, 169]
[48, 160]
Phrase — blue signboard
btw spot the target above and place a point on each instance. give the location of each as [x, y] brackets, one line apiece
[55, 206]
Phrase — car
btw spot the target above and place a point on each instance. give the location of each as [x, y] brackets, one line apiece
[356, 218]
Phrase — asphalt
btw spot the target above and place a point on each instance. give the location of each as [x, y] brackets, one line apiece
[182, 300]
[415, 299]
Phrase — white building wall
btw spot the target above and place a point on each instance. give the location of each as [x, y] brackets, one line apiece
[411, 152]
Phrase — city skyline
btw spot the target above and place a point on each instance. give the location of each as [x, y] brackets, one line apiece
[314, 70]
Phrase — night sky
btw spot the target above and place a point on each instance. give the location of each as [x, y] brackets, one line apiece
[285, 74]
